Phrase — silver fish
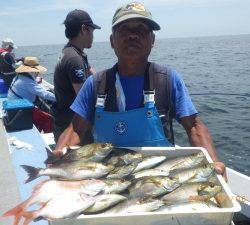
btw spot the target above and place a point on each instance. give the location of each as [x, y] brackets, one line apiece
[136, 205]
[150, 173]
[125, 159]
[95, 152]
[188, 162]
[70, 171]
[153, 187]
[115, 186]
[191, 192]
[104, 201]
[149, 162]
[122, 172]
[199, 174]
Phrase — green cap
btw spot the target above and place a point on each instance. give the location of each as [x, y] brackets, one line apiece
[134, 10]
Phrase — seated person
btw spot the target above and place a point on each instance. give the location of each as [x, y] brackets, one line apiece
[24, 85]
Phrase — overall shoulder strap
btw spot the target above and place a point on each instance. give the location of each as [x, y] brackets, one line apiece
[162, 81]
[104, 86]
[99, 80]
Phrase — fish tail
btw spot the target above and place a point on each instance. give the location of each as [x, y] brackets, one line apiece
[30, 216]
[17, 219]
[51, 157]
[33, 172]
[16, 210]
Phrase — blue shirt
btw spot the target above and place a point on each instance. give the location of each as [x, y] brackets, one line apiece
[28, 88]
[84, 104]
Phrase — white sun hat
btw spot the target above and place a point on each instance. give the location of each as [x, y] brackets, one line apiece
[6, 43]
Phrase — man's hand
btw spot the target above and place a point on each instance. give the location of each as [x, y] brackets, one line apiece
[220, 168]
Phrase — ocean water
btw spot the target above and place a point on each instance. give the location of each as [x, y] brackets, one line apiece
[216, 71]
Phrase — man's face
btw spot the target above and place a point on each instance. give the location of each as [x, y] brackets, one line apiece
[87, 36]
[132, 39]
[10, 49]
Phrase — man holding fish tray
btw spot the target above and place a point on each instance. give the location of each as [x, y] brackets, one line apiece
[134, 102]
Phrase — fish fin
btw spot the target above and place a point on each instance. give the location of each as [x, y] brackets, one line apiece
[73, 147]
[175, 166]
[132, 178]
[39, 218]
[29, 216]
[39, 185]
[32, 172]
[68, 148]
[51, 157]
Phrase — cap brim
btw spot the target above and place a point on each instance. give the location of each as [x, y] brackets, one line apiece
[28, 69]
[152, 23]
[94, 26]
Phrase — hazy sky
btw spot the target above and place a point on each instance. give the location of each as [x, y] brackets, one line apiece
[32, 22]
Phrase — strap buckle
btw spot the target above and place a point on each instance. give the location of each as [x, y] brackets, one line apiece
[100, 102]
[149, 96]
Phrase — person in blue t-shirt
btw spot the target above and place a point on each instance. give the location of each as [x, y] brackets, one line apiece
[133, 103]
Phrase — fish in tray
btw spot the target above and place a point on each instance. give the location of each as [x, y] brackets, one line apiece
[122, 171]
[62, 206]
[46, 190]
[76, 170]
[150, 173]
[153, 187]
[135, 206]
[125, 159]
[103, 202]
[149, 162]
[197, 174]
[182, 163]
[188, 162]
[192, 192]
[115, 186]
[95, 152]
[143, 162]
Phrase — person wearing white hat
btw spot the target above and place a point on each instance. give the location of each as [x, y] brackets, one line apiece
[24, 85]
[8, 62]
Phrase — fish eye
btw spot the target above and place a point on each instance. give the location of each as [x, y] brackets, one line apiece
[104, 145]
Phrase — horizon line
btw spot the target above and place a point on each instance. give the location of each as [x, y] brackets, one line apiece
[159, 38]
